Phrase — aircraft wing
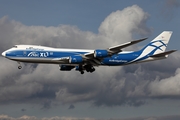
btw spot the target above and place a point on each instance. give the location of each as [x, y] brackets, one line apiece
[116, 49]
[119, 47]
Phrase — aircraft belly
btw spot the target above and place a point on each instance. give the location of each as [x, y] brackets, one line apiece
[38, 60]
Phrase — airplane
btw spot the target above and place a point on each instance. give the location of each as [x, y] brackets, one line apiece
[85, 60]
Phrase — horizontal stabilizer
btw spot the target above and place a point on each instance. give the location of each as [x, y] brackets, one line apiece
[163, 54]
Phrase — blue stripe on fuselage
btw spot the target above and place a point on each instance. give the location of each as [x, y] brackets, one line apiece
[40, 54]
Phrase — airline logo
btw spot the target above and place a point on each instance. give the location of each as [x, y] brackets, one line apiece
[38, 54]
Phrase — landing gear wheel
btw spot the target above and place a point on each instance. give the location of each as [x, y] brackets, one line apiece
[19, 67]
[92, 70]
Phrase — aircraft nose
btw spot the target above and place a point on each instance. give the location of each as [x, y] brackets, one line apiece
[4, 54]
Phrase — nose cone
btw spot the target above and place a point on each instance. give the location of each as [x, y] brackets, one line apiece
[4, 54]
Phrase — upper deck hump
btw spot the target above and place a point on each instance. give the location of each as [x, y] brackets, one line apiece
[39, 47]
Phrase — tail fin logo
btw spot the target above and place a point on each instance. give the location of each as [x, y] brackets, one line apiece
[158, 44]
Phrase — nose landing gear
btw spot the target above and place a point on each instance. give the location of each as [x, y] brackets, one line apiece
[19, 65]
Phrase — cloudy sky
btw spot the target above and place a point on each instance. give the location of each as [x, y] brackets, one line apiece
[147, 91]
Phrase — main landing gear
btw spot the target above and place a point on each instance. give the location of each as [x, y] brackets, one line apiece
[88, 68]
[19, 65]
[82, 72]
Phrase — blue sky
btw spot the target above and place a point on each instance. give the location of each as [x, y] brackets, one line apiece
[88, 16]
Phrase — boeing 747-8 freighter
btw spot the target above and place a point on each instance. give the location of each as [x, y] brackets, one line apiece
[85, 60]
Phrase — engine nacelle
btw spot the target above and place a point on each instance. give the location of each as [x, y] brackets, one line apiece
[100, 53]
[65, 67]
[75, 59]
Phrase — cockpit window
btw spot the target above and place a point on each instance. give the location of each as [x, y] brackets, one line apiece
[15, 46]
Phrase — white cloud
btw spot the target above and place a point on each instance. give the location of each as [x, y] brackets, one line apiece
[120, 25]
[166, 87]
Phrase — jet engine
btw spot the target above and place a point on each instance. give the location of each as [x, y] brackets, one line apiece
[75, 59]
[101, 53]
